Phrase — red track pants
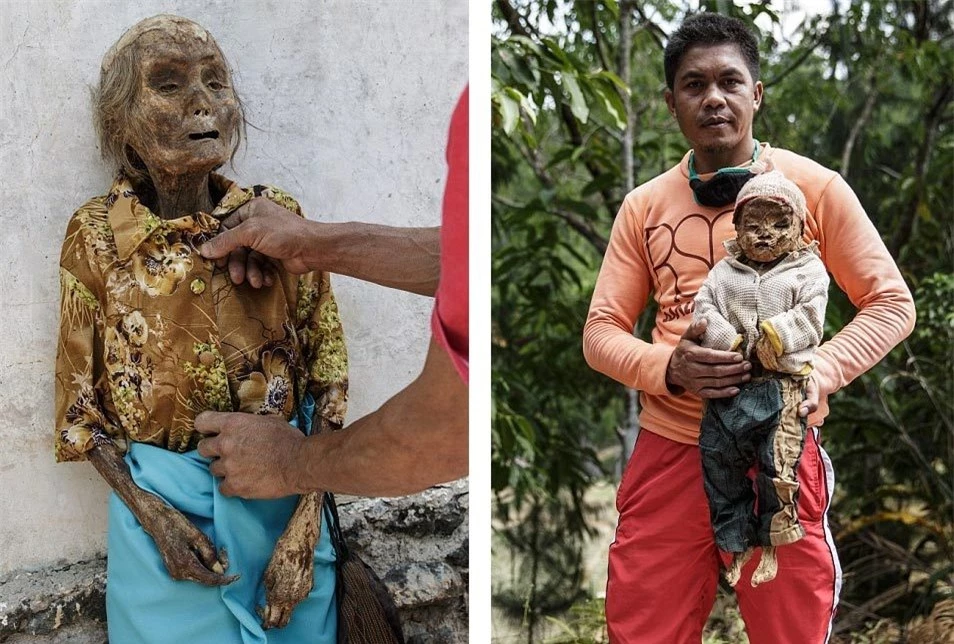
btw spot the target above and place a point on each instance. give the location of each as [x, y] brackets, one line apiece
[664, 564]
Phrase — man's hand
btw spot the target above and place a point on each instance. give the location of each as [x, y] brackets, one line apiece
[258, 228]
[185, 550]
[810, 404]
[708, 373]
[253, 455]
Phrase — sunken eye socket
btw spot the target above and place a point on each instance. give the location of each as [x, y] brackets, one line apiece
[215, 85]
[168, 88]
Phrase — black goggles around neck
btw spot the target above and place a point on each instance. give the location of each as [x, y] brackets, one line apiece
[723, 188]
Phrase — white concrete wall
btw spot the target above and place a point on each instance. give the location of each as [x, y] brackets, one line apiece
[352, 99]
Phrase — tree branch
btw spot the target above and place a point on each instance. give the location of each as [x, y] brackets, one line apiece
[599, 37]
[533, 158]
[860, 124]
[794, 65]
[583, 227]
[654, 30]
[576, 137]
[625, 71]
[513, 18]
[932, 120]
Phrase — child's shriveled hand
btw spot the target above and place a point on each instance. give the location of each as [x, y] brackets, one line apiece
[766, 353]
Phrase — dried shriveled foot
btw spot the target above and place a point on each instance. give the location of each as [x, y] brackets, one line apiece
[767, 567]
[734, 571]
[185, 550]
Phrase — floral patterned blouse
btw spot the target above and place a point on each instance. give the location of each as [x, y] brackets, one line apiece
[151, 333]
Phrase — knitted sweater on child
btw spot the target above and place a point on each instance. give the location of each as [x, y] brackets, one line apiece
[789, 298]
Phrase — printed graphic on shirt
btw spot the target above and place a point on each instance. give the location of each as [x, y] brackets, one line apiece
[681, 255]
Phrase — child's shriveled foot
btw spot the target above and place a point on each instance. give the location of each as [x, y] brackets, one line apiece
[767, 568]
[734, 571]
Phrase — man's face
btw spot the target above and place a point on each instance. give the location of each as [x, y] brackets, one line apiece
[714, 101]
[186, 113]
[767, 230]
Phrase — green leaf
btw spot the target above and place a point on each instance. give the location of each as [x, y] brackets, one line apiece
[614, 106]
[509, 111]
[526, 43]
[577, 103]
[616, 80]
[520, 68]
[557, 52]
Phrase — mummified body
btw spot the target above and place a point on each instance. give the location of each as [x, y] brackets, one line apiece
[152, 334]
[766, 299]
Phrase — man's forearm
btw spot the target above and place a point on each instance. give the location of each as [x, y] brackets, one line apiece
[407, 259]
[415, 440]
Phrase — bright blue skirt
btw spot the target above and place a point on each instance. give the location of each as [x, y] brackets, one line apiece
[145, 605]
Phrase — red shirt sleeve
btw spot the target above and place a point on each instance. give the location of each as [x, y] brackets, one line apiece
[449, 322]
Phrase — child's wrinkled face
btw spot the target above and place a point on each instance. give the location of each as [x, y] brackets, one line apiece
[767, 230]
[186, 114]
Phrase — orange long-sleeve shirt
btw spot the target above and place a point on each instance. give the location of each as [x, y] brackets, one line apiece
[664, 244]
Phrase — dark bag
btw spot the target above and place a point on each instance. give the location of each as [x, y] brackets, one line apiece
[366, 612]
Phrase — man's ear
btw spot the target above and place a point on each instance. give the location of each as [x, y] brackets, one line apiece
[757, 95]
[670, 101]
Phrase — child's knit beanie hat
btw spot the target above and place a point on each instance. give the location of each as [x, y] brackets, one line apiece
[771, 185]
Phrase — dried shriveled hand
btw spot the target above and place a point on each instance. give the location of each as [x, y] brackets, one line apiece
[185, 550]
[288, 578]
[708, 373]
[766, 353]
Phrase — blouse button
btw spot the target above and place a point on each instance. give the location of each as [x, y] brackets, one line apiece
[197, 286]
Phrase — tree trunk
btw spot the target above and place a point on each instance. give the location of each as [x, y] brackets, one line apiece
[531, 612]
[627, 435]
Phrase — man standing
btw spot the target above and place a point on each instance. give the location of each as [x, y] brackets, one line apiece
[416, 439]
[663, 564]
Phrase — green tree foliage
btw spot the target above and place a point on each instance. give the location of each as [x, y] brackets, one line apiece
[579, 119]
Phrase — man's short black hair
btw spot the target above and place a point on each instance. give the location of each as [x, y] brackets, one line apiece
[710, 29]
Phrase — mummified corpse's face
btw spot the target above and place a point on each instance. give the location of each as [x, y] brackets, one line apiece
[186, 114]
[767, 230]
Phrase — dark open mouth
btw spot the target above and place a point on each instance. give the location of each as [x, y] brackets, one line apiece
[213, 134]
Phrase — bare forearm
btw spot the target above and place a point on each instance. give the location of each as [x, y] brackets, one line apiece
[109, 462]
[185, 550]
[415, 440]
[407, 259]
[303, 525]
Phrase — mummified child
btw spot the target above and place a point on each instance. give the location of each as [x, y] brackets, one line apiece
[767, 300]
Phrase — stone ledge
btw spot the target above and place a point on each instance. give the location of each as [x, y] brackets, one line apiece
[416, 544]
[42, 601]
